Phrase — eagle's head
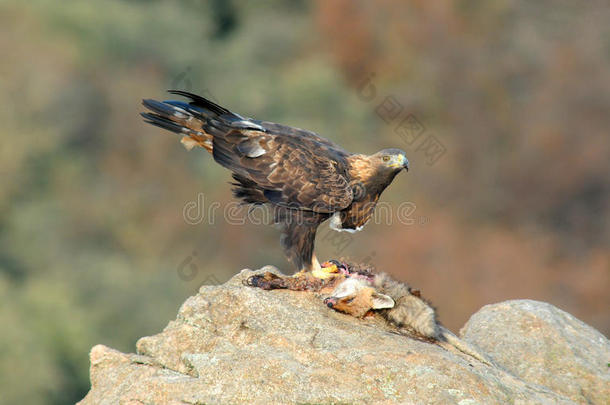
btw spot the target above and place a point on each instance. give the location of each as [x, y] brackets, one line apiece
[392, 159]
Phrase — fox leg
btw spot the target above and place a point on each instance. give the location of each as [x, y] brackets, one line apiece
[303, 282]
[267, 281]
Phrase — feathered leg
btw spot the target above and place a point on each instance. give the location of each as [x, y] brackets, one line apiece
[298, 237]
[298, 243]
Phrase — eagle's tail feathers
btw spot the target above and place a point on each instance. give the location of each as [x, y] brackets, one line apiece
[167, 109]
[164, 123]
[205, 124]
[202, 102]
[218, 115]
[177, 117]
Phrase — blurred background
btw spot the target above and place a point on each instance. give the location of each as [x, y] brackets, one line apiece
[105, 224]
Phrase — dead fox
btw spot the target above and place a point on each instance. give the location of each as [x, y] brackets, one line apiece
[357, 292]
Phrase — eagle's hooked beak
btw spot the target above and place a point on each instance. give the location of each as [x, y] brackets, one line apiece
[405, 163]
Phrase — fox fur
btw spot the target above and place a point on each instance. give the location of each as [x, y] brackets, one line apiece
[395, 301]
[359, 292]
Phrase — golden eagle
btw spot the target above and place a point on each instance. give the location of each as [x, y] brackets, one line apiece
[305, 178]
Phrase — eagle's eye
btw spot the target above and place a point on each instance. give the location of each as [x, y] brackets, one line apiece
[386, 158]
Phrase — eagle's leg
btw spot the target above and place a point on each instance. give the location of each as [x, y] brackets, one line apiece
[315, 264]
[312, 267]
[298, 241]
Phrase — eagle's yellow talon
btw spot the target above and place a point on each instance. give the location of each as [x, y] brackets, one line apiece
[327, 270]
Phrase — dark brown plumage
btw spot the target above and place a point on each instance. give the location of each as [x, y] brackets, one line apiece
[305, 178]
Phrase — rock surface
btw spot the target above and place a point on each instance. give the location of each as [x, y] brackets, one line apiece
[236, 344]
[544, 345]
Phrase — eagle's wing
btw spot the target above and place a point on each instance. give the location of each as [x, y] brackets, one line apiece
[292, 167]
[297, 172]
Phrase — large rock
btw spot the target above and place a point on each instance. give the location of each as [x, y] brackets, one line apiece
[544, 345]
[236, 344]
